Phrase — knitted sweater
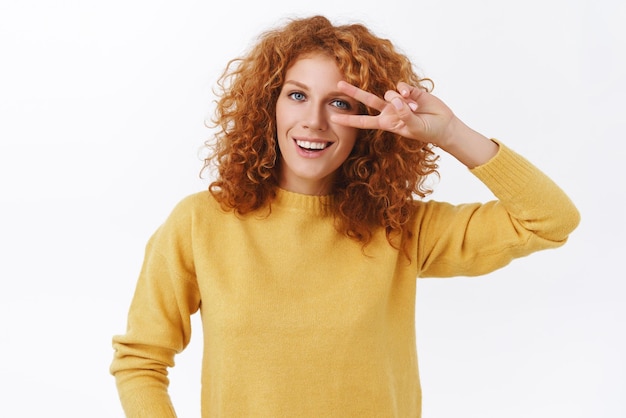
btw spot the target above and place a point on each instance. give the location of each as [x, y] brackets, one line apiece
[301, 321]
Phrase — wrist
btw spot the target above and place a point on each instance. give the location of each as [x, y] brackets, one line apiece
[468, 146]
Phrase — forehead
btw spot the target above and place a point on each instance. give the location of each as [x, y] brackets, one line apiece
[315, 66]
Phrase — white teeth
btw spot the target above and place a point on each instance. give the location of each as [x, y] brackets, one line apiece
[311, 145]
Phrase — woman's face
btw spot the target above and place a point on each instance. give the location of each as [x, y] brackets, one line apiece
[312, 148]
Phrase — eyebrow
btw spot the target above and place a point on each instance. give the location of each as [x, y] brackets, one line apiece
[297, 83]
[305, 87]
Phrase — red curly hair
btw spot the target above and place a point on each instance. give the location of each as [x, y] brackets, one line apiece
[376, 184]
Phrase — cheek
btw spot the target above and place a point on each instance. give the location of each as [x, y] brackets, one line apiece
[280, 115]
[348, 136]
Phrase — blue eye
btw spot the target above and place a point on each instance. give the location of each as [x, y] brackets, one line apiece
[341, 104]
[297, 96]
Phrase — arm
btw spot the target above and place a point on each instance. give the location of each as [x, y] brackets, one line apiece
[473, 239]
[159, 323]
[532, 213]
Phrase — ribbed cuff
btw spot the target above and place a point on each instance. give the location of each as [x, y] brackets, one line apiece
[507, 174]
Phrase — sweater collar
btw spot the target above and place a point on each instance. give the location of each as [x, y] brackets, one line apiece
[317, 205]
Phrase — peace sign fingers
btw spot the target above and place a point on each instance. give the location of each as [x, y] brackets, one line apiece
[394, 111]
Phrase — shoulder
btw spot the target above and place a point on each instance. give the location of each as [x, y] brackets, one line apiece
[422, 208]
[191, 212]
[432, 217]
[193, 215]
[196, 204]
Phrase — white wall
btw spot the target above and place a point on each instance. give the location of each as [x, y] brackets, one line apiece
[101, 121]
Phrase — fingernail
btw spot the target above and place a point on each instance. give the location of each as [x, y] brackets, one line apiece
[397, 103]
[413, 106]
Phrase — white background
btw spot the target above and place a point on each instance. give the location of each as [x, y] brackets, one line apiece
[102, 106]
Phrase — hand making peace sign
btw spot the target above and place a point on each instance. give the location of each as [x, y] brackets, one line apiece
[416, 114]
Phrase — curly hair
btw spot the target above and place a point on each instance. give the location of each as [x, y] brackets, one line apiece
[375, 186]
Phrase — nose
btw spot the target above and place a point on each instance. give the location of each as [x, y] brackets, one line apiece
[316, 118]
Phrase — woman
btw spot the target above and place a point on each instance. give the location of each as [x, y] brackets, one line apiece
[302, 255]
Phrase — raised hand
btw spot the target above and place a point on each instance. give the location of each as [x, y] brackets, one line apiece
[416, 114]
[410, 112]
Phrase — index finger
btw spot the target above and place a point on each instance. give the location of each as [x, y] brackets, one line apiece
[367, 98]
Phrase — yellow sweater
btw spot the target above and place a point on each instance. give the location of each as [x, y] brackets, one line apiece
[299, 321]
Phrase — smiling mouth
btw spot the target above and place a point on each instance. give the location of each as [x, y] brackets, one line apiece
[313, 146]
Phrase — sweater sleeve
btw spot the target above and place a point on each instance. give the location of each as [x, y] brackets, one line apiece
[159, 324]
[531, 213]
